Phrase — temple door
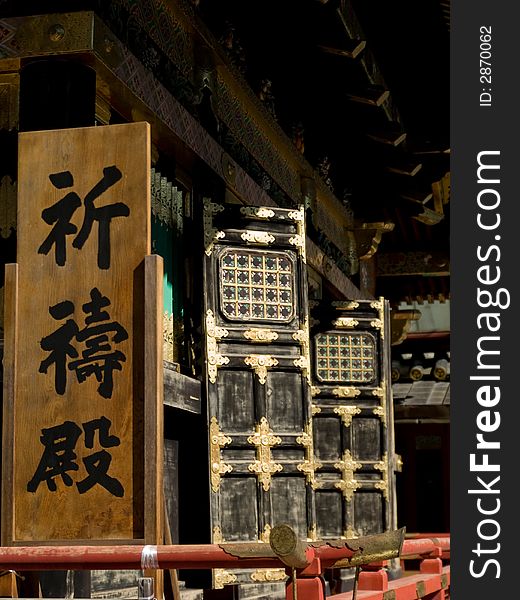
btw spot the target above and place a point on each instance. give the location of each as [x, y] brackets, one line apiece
[352, 419]
[257, 377]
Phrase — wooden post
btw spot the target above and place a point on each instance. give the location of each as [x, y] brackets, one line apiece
[153, 423]
[10, 341]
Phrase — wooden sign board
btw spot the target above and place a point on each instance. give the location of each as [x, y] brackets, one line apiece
[82, 398]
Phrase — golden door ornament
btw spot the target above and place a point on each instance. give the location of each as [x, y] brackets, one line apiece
[217, 441]
[348, 484]
[264, 466]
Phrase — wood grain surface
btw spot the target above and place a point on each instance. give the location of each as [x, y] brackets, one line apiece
[67, 513]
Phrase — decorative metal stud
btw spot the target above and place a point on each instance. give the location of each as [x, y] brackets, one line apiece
[346, 392]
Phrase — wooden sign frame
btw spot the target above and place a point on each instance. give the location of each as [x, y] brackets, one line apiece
[143, 444]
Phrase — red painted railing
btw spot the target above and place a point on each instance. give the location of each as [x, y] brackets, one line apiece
[431, 583]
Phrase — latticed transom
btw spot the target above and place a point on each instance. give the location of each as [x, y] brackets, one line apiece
[257, 285]
[346, 357]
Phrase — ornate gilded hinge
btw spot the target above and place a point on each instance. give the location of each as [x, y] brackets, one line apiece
[348, 484]
[303, 364]
[299, 239]
[383, 467]
[310, 465]
[379, 411]
[260, 363]
[379, 392]
[221, 577]
[346, 413]
[379, 324]
[264, 466]
[297, 215]
[378, 305]
[213, 335]
[345, 323]
[258, 237]
[211, 234]
[217, 441]
[261, 335]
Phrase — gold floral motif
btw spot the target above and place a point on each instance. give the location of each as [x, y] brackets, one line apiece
[315, 409]
[264, 466]
[305, 439]
[378, 324]
[346, 392]
[379, 391]
[346, 413]
[217, 441]
[379, 411]
[297, 215]
[345, 323]
[259, 213]
[260, 363]
[303, 364]
[348, 484]
[268, 575]
[258, 237]
[311, 465]
[302, 336]
[211, 234]
[261, 335]
[377, 304]
[221, 577]
[315, 390]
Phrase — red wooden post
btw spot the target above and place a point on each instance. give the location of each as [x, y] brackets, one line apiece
[308, 589]
[373, 580]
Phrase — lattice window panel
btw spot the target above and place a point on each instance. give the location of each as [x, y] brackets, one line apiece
[346, 357]
[257, 285]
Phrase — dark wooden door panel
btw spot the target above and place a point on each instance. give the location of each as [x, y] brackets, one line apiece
[258, 384]
[352, 419]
